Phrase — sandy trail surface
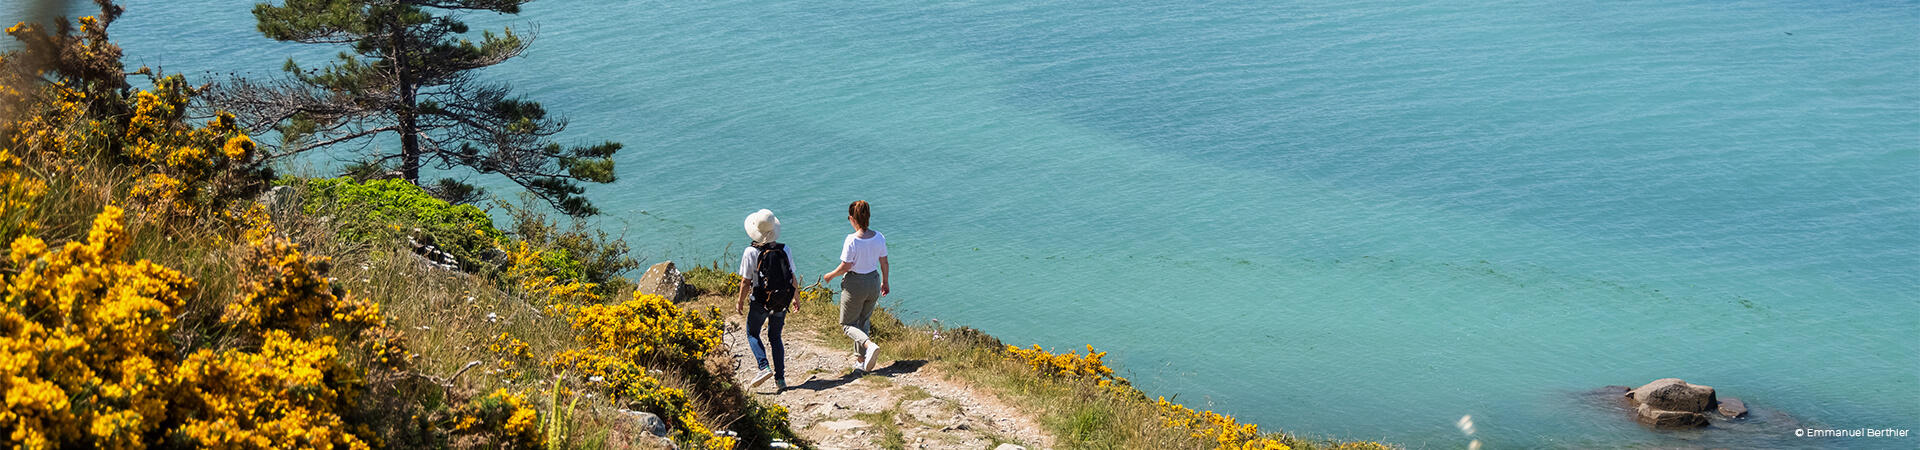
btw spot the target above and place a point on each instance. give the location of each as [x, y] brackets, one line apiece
[836, 409]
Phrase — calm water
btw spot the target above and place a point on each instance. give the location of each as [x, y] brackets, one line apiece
[1357, 219]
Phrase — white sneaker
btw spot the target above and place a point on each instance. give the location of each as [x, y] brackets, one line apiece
[761, 378]
[873, 354]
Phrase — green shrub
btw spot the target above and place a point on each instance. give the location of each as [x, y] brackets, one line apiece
[391, 209]
[712, 280]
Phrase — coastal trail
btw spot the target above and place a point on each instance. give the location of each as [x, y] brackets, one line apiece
[901, 404]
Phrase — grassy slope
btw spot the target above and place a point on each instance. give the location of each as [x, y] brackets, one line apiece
[451, 319]
[1077, 413]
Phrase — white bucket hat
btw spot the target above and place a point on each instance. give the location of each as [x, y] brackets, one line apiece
[763, 227]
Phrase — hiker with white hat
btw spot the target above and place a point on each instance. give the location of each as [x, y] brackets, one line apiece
[767, 277]
[863, 258]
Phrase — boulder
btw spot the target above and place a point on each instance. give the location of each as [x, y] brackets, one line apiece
[1672, 403]
[1733, 408]
[649, 423]
[1661, 418]
[1674, 394]
[664, 281]
[1009, 447]
[280, 200]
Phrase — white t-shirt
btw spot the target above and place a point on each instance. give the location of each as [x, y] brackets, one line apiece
[750, 265]
[865, 254]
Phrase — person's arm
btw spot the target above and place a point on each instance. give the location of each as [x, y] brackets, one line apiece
[747, 260]
[740, 307]
[793, 272]
[837, 271]
[846, 263]
[883, 276]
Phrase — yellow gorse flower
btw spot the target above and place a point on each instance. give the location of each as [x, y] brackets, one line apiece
[86, 361]
[1070, 365]
[18, 194]
[616, 339]
[1229, 434]
[85, 355]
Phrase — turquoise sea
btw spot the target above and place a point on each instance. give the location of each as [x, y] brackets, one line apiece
[1355, 219]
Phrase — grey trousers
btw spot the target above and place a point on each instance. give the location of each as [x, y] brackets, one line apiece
[858, 293]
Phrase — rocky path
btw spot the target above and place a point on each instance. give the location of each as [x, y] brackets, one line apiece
[901, 404]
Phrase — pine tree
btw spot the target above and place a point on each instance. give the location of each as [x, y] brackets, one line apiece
[410, 72]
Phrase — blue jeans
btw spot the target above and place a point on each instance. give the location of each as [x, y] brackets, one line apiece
[757, 314]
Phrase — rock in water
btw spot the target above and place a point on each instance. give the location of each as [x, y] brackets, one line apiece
[1661, 418]
[1610, 391]
[662, 280]
[1733, 408]
[1672, 403]
[1673, 394]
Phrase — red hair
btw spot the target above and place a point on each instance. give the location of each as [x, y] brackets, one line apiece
[860, 212]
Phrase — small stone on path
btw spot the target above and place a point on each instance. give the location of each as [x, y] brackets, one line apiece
[844, 425]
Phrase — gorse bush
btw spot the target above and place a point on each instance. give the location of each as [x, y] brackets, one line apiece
[1069, 365]
[1220, 431]
[88, 361]
[189, 171]
[91, 362]
[648, 328]
[1214, 427]
[573, 251]
[1228, 434]
[97, 347]
[67, 102]
[297, 387]
[532, 273]
[503, 417]
[290, 393]
[618, 341]
[18, 193]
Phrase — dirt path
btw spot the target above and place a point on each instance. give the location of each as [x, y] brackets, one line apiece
[836, 410]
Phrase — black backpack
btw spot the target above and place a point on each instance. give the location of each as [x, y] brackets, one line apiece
[775, 284]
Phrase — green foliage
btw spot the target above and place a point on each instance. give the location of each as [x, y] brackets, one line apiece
[558, 423]
[712, 280]
[457, 192]
[1085, 427]
[890, 436]
[763, 423]
[409, 73]
[389, 209]
[364, 170]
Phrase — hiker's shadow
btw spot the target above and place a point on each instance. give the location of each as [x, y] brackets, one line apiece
[891, 370]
